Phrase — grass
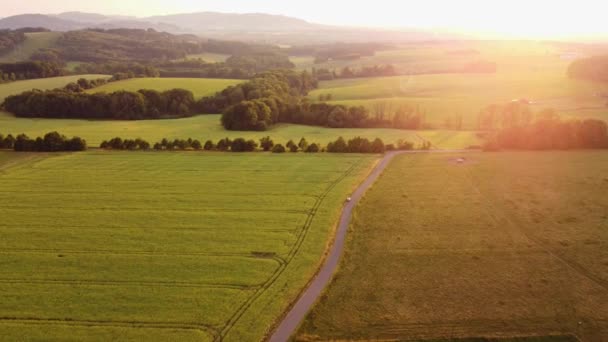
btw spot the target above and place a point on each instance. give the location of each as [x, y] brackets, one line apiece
[33, 42]
[162, 246]
[199, 86]
[206, 127]
[504, 245]
[14, 88]
[530, 70]
[199, 127]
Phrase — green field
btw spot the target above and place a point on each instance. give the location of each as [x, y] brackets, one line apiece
[34, 41]
[506, 244]
[14, 88]
[162, 246]
[207, 127]
[530, 70]
[199, 86]
[199, 127]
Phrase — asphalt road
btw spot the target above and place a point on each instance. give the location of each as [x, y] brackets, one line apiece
[296, 314]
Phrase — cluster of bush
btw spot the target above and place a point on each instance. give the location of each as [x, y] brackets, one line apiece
[51, 142]
[83, 84]
[549, 133]
[356, 145]
[120, 105]
[29, 70]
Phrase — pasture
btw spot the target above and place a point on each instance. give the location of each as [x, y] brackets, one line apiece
[34, 42]
[205, 127]
[200, 87]
[162, 246]
[18, 87]
[209, 57]
[503, 245]
[530, 70]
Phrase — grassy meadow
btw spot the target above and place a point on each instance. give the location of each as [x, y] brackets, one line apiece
[206, 127]
[530, 70]
[200, 87]
[34, 41]
[18, 87]
[162, 246]
[504, 245]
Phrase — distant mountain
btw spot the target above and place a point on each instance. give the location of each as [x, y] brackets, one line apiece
[213, 21]
[70, 21]
[82, 17]
[38, 20]
[252, 27]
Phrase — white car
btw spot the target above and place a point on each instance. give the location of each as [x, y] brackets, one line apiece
[348, 199]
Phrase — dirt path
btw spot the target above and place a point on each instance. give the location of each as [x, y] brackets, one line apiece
[296, 314]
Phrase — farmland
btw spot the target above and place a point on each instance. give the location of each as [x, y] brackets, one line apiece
[503, 245]
[162, 246]
[206, 127]
[14, 88]
[34, 41]
[200, 87]
[528, 70]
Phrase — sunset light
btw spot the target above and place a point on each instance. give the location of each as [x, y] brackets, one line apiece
[304, 171]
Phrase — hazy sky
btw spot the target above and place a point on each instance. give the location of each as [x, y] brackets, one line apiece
[511, 17]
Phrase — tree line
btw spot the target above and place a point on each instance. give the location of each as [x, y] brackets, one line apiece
[551, 133]
[324, 74]
[29, 70]
[119, 105]
[51, 142]
[279, 97]
[592, 68]
[266, 144]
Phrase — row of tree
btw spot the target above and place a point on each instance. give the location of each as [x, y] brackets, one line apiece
[355, 145]
[131, 69]
[548, 133]
[120, 105]
[51, 142]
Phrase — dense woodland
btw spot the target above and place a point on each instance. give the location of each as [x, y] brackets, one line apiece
[238, 66]
[9, 40]
[551, 134]
[592, 69]
[29, 70]
[120, 105]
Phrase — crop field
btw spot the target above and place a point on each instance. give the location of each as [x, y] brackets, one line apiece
[206, 127]
[534, 71]
[199, 86]
[503, 245]
[34, 41]
[162, 246]
[14, 88]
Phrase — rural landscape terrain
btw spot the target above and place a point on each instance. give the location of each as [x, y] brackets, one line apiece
[214, 176]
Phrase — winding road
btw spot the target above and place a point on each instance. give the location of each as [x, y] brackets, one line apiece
[296, 314]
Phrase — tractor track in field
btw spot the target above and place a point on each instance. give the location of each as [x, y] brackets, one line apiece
[101, 323]
[301, 237]
[297, 312]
